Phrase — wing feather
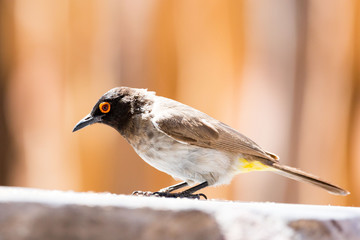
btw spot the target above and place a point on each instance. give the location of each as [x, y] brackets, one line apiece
[188, 125]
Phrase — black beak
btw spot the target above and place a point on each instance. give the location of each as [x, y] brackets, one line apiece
[88, 120]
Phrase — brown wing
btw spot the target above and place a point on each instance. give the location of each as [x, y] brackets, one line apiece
[188, 125]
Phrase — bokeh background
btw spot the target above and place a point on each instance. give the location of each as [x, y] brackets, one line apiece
[286, 73]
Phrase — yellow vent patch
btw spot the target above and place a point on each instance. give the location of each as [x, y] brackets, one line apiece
[246, 166]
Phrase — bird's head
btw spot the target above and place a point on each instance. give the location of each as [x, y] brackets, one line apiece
[116, 107]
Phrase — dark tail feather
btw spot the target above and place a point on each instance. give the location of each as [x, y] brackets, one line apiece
[299, 175]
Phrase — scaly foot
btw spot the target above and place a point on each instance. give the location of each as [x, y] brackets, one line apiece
[170, 195]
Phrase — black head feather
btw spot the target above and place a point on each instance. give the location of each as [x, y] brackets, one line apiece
[124, 104]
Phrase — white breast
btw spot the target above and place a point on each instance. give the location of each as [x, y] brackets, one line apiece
[186, 162]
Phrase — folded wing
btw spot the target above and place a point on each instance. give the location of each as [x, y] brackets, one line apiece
[188, 125]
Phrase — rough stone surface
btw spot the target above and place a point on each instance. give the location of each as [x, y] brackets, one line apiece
[38, 221]
[43, 214]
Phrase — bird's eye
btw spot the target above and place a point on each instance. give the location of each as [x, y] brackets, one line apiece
[104, 107]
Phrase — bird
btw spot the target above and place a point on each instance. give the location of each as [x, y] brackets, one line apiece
[186, 143]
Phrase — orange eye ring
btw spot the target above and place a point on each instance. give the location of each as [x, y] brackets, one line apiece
[104, 107]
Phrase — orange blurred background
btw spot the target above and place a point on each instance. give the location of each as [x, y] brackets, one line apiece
[284, 73]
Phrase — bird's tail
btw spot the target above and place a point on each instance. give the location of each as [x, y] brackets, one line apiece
[299, 175]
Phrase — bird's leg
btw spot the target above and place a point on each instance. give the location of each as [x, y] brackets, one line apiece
[189, 192]
[185, 194]
[174, 187]
[164, 190]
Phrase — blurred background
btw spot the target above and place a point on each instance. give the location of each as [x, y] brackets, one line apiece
[285, 73]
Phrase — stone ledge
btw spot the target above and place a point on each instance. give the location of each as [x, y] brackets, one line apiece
[43, 214]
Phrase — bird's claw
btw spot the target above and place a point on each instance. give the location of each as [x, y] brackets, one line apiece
[141, 193]
[170, 195]
[181, 195]
[202, 195]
